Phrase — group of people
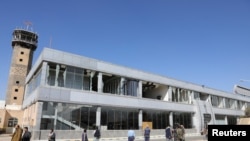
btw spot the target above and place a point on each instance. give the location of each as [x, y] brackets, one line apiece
[20, 135]
[176, 134]
[96, 134]
[25, 135]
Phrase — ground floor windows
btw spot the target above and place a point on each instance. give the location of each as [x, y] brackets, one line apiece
[232, 120]
[159, 119]
[65, 116]
[119, 119]
[184, 119]
[220, 119]
[226, 120]
[47, 123]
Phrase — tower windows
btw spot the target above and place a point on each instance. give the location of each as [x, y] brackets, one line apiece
[22, 52]
[17, 82]
[15, 98]
[20, 60]
[16, 90]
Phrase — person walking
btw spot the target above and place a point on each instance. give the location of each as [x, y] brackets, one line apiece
[179, 133]
[174, 132]
[52, 135]
[205, 132]
[183, 131]
[131, 135]
[168, 133]
[147, 133]
[97, 134]
[17, 135]
[84, 135]
[27, 135]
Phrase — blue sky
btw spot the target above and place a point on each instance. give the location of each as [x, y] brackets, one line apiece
[206, 42]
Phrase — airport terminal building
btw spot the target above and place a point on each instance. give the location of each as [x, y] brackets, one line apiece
[69, 92]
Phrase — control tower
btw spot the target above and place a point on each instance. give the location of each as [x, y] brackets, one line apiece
[24, 43]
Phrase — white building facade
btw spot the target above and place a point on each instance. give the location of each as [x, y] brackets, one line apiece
[68, 92]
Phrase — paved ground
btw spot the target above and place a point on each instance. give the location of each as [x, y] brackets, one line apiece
[7, 137]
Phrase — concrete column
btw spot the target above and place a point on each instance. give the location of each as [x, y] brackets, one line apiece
[24, 115]
[55, 118]
[171, 121]
[140, 119]
[191, 97]
[64, 78]
[57, 73]
[235, 106]
[25, 92]
[121, 91]
[220, 102]
[238, 119]
[244, 106]
[38, 115]
[178, 94]
[92, 73]
[170, 93]
[140, 89]
[209, 99]
[223, 103]
[196, 121]
[98, 117]
[100, 83]
[44, 73]
[226, 120]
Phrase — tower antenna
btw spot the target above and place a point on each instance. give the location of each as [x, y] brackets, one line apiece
[28, 24]
[50, 42]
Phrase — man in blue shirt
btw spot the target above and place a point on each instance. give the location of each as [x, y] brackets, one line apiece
[131, 135]
[146, 133]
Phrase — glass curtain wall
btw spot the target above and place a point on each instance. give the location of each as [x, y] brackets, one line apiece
[131, 87]
[73, 116]
[232, 120]
[217, 101]
[34, 83]
[159, 119]
[230, 103]
[67, 116]
[119, 119]
[220, 119]
[67, 76]
[184, 119]
[180, 95]
[81, 79]
[239, 104]
[112, 86]
[196, 95]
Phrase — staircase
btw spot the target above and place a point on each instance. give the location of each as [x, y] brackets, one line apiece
[204, 108]
[76, 127]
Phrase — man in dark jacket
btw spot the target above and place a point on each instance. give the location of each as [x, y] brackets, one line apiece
[168, 133]
[147, 133]
[97, 134]
[52, 135]
[27, 135]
